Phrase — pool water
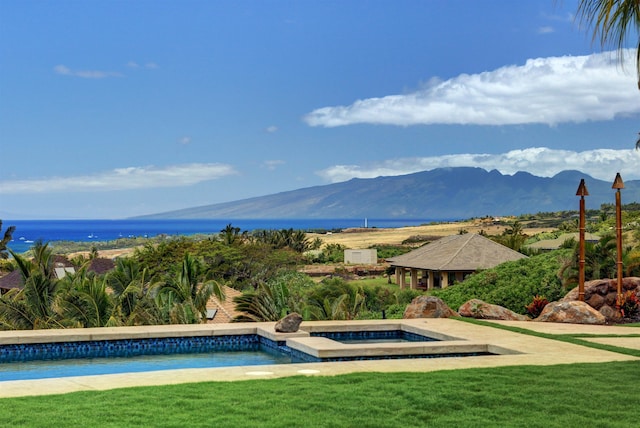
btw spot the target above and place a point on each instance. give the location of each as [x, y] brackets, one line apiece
[41, 369]
[386, 336]
[96, 357]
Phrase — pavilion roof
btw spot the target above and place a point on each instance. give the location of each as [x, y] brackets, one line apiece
[466, 252]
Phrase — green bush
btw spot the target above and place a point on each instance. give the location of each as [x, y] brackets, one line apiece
[511, 285]
[404, 297]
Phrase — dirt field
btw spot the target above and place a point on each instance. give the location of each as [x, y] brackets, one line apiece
[107, 254]
[365, 238]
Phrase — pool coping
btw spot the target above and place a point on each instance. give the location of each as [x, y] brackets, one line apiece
[515, 349]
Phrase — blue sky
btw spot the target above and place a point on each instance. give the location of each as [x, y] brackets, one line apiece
[113, 109]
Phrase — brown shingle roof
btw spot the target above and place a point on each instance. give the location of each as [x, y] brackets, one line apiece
[101, 265]
[467, 252]
[11, 280]
[225, 310]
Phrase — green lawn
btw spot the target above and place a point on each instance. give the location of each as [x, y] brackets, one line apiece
[588, 395]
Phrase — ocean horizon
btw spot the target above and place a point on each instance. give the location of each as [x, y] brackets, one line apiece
[29, 231]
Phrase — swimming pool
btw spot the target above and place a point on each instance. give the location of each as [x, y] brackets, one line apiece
[44, 369]
[81, 352]
[374, 336]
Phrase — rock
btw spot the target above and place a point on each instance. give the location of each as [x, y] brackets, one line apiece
[603, 292]
[428, 307]
[478, 309]
[596, 301]
[289, 324]
[609, 312]
[571, 312]
[631, 283]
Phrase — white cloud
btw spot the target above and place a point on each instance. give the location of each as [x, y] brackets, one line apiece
[546, 30]
[129, 178]
[85, 74]
[271, 129]
[148, 65]
[185, 140]
[544, 90]
[540, 161]
[271, 165]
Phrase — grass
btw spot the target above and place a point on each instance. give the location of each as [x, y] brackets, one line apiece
[375, 281]
[534, 396]
[635, 324]
[569, 338]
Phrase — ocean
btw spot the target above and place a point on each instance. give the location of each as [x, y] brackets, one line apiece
[29, 231]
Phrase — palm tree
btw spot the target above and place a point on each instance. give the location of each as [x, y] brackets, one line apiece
[31, 307]
[335, 299]
[131, 286]
[230, 234]
[8, 235]
[82, 300]
[513, 237]
[182, 297]
[612, 21]
[269, 302]
[43, 258]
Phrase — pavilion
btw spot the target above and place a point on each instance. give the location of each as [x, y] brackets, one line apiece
[450, 259]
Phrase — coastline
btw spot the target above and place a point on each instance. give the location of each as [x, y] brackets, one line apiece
[355, 238]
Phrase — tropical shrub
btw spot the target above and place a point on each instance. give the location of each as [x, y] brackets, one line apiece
[335, 299]
[511, 284]
[536, 306]
[274, 299]
[629, 304]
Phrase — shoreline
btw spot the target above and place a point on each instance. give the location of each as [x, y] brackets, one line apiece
[355, 238]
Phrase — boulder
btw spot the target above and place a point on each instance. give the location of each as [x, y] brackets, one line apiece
[289, 324]
[602, 295]
[603, 292]
[571, 312]
[609, 312]
[428, 307]
[478, 309]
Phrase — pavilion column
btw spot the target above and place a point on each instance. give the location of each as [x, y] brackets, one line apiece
[430, 280]
[414, 278]
[445, 279]
[398, 270]
[402, 277]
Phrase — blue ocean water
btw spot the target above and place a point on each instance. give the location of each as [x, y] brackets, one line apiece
[29, 231]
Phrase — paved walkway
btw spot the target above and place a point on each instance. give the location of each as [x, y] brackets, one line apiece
[515, 349]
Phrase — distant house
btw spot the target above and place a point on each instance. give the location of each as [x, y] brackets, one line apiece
[366, 257]
[61, 267]
[554, 244]
[10, 281]
[219, 312]
[101, 265]
[449, 259]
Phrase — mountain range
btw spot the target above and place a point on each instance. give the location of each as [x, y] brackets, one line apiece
[443, 193]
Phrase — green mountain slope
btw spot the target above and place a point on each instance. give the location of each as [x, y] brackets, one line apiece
[444, 193]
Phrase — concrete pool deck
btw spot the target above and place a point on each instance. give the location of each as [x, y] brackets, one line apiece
[514, 349]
